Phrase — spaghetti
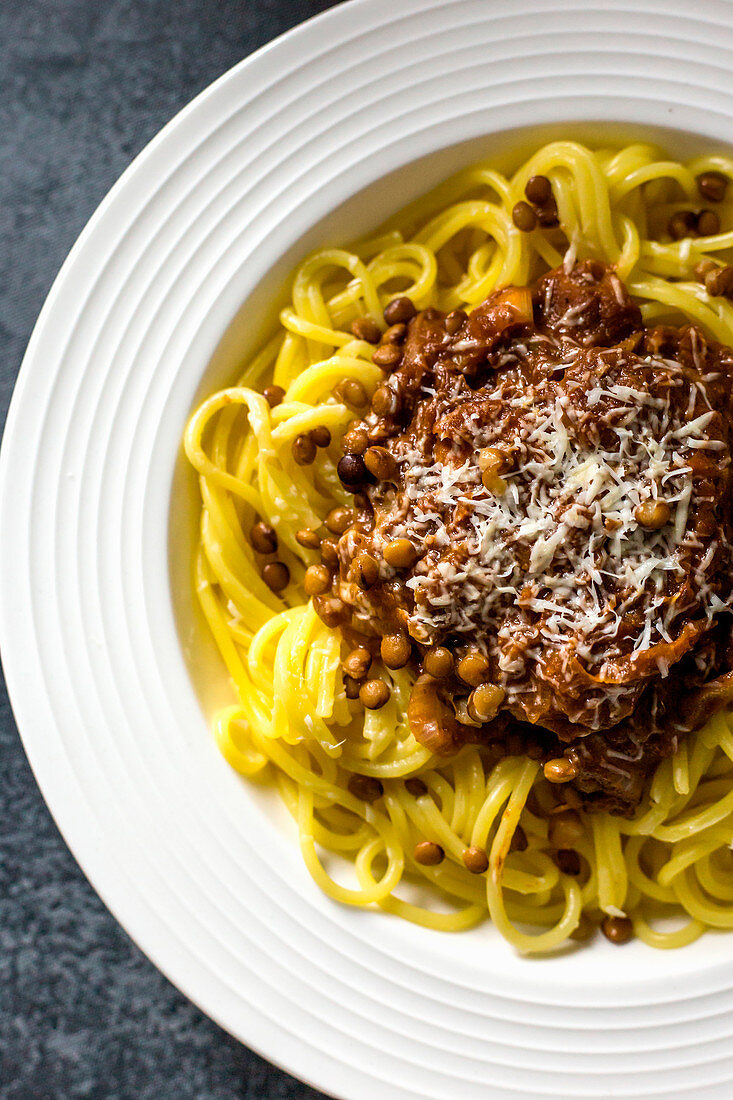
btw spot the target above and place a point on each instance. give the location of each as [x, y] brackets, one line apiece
[489, 838]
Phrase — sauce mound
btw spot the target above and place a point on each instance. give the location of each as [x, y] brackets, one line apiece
[550, 504]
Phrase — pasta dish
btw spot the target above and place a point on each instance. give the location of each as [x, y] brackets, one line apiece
[466, 550]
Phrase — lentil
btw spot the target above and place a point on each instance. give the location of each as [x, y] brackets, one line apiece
[307, 538]
[475, 860]
[519, 842]
[712, 186]
[387, 356]
[358, 663]
[381, 463]
[321, 436]
[400, 553]
[484, 702]
[364, 571]
[472, 668]
[384, 401]
[703, 268]
[682, 224]
[454, 321]
[263, 538]
[416, 787]
[395, 334]
[273, 395]
[351, 687]
[351, 392]
[560, 770]
[524, 217]
[365, 787]
[719, 283]
[438, 662]
[329, 552]
[490, 458]
[304, 449]
[395, 650]
[493, 483]
[356, 441]
[364, 328]
[351, 469]
[317, 580]
[548, 216]
[276, 575]
[374, 694]
[399, 311]
[708, 223]
[653, 514]
[617, 929]
[538, 190]
[428, 853]
[338, 519]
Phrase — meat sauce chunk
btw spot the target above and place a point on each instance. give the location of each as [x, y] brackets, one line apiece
[589, 304]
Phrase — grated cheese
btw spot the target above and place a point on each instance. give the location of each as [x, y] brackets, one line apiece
[557, 568]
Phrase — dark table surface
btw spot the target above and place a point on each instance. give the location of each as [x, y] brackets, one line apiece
[84, 85]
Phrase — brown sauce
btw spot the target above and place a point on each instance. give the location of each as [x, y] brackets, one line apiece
[551, 505]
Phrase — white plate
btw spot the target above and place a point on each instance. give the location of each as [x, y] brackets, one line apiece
[313, 139]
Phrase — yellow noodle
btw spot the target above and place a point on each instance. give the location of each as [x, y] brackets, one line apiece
[290, 721]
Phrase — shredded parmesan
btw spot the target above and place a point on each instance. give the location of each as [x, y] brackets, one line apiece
[558, 563]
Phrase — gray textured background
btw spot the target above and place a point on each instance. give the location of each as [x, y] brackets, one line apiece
[84, 85]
